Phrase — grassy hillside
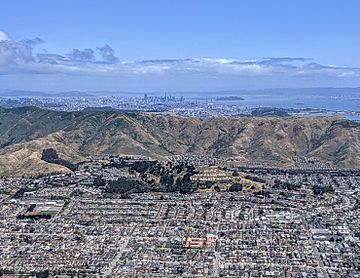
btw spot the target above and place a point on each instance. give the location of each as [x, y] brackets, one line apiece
[24, 132]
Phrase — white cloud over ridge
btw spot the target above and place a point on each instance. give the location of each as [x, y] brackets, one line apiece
[20, 57]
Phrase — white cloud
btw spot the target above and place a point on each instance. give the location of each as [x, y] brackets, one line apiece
[20, 57]
[4, 36]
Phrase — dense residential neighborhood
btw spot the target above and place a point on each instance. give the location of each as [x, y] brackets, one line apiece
[277, 223]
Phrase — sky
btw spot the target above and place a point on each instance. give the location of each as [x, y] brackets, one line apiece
[178, 45]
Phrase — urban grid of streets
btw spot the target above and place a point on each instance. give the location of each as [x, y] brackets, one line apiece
[285, 233]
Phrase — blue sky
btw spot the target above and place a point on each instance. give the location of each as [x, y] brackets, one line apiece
[178, 45]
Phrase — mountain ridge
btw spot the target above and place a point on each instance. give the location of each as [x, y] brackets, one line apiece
[25, 132]
[216, 93]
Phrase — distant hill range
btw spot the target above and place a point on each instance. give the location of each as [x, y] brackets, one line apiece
[229, 95]
[25, 132]
[34, 94]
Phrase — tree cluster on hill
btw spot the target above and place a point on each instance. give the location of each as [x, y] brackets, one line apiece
[235, 174]
[236, 187]
[286, 185]
[320, 190]
[125, 186]
[51, 156]
[255, 178]
[172, 178]
[184, 185]
[144, 166]
[99, 181]
[19, 193]
[269, 112]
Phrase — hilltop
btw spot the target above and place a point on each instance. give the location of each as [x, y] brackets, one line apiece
[25, 132]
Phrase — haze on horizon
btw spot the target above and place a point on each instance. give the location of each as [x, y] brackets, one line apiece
[178, 45]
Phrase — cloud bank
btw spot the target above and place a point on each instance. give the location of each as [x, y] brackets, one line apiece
[22, 57]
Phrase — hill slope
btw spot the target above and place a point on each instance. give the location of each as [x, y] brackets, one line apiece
[24, 132]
